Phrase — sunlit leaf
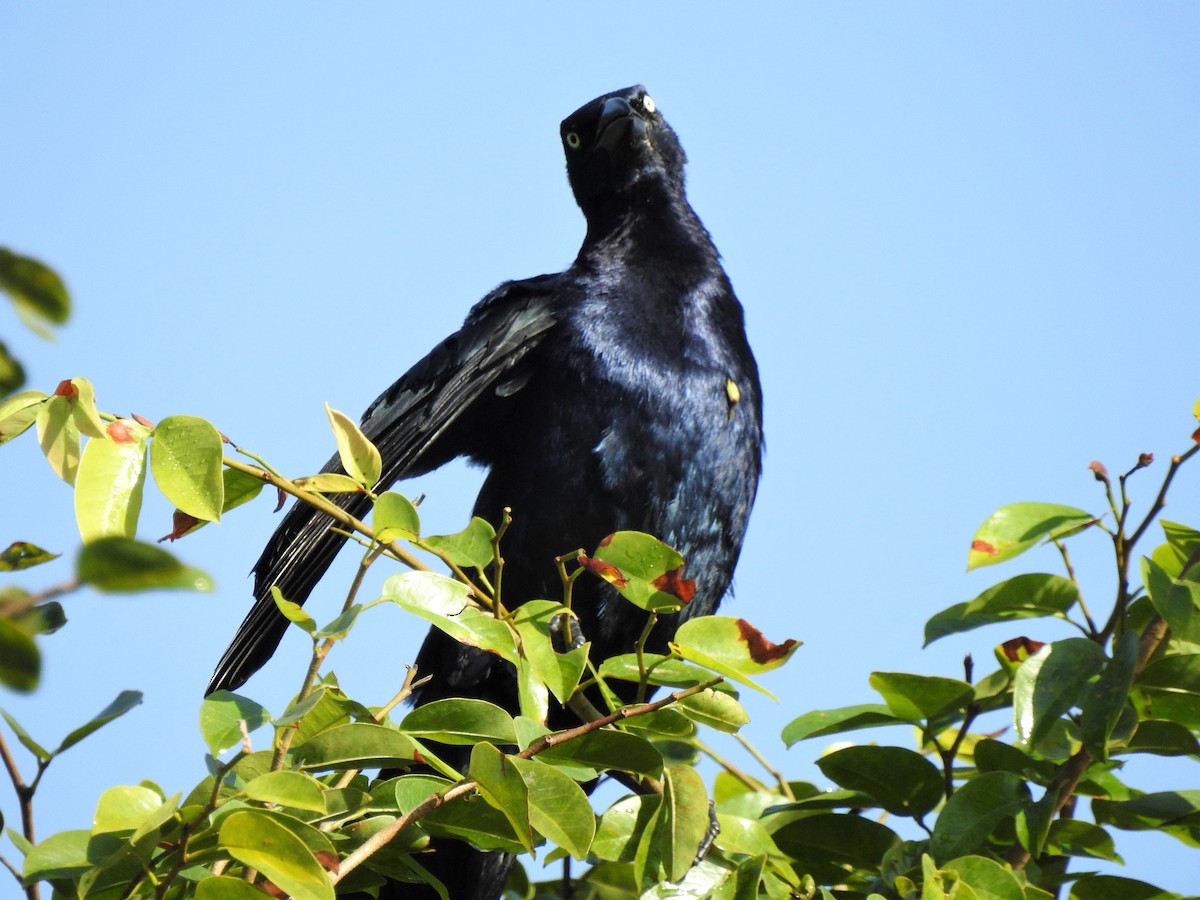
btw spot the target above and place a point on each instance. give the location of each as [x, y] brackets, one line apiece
[258, 840]
[1051, 682]
[360, 458]
[1023, 597]
[108, 484]
[394, 517]
[18, 412]
[445, 602]
[1013, 529]
[185, 459]
[221, 716]
[470, 547]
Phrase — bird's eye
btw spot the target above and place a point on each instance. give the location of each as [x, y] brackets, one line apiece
[648, 103]
[573, 140]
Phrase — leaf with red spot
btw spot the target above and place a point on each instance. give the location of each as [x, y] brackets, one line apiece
[731, 647]
[607, 571]
[645, 571]
[1019, 649]
[1013, 529]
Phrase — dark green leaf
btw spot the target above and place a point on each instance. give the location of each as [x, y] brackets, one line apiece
[12, 378]
[974, 811]
[23, 555]
[1162, 738]
[608, 750]
[824, 722]
[1074, 837]
[1112, 887]
[1023, 597]
[1150, 811]
[1102, 705]
[903, 782]
[20, 661]
[1051, 682]
[34, 287]
[1177, 601]
[121, 565]
[1013, 529]
[823, 843]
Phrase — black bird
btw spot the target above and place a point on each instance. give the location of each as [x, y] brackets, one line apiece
[618, 394]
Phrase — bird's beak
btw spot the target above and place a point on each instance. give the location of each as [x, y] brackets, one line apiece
[617, 121]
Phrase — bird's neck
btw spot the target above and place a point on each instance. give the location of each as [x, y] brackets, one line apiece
[656, 225]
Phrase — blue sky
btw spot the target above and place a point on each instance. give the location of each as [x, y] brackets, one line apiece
[965, 236]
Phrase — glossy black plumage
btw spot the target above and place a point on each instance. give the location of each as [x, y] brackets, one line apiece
[618, 394]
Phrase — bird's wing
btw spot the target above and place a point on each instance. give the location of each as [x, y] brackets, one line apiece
[419, 423]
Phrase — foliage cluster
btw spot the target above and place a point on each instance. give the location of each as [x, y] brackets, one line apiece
[996, 816]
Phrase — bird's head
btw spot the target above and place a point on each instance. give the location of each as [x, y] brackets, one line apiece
[617, 146]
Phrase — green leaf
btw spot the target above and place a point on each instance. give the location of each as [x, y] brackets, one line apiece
[1160, 810]
[731, 647]
[826, 844]
[360, 458]
[37, 289]
[260, 841]
[535, 622]
[621, 827]
[62, 855]
[239, 487]
[607, 750]
[461, 721]
[974, 811]
[501, 784]
[224, 887]
[643, 569]
[903, 782]
[109, 482]
[22, 555]
[185, 459]
[1112, 887]
[1182, 542]
[921, 697]
[12, 378]
[394, 518]
[559, 810]
[1075, 837]
[293, 612]
[124, 808]
[1162, 738]
[986, 877]
[1178, 602]
[292, 789]
[123, 565]
[358, 745]
[18, 412]
[1023, 597]
[329, 483]
[445, 603]
[20, 660]
[340, 626]
[221, 715]
[1013, 529]
[682, 821]
[1102, 705]
[124, 702]
[470, 547]
[58, 435]
[715, 709]
[43, 755]
[824, 722]
[1051, 682]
